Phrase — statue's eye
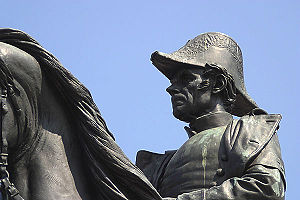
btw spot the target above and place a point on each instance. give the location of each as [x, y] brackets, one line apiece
[187, 78]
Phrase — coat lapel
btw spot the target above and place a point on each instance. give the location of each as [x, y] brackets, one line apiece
[244, 139]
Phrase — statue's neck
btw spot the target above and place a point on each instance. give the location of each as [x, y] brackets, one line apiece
[211, 120]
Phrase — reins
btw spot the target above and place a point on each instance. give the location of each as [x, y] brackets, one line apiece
[8, 191]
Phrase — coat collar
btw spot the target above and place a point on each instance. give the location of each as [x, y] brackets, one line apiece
[208, 121]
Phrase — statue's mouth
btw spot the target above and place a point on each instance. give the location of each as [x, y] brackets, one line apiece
[178, 99]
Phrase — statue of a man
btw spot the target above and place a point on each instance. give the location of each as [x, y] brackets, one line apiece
[224, 158]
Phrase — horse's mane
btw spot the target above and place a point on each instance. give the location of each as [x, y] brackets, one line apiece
[112, 173]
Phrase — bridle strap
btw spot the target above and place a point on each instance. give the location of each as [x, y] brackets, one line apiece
[8, 189]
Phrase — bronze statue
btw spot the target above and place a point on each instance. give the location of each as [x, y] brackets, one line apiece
[54, 144]
[224, 158]
[52, 134]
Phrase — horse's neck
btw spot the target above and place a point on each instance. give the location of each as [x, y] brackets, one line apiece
[57, 125]
[54, 115]
[59, 136]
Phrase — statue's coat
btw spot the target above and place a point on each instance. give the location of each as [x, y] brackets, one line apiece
[250, 156]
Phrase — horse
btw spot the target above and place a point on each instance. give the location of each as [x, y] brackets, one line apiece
[57, 143]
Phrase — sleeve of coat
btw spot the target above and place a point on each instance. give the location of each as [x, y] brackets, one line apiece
[263, 179]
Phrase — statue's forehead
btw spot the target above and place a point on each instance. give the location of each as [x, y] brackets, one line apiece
[191, 70]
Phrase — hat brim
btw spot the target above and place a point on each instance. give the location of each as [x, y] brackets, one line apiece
[169, 66]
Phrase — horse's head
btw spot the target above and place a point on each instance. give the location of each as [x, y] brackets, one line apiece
[23, 74]
[21, 79]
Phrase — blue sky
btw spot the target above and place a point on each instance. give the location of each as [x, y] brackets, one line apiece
[107, 46]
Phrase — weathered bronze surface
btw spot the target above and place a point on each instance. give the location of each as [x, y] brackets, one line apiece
[55, 145]
[224, 158]
[59, 147]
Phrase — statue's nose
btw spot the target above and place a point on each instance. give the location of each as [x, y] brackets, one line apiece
[172, 89]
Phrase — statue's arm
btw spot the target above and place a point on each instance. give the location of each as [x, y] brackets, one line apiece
[259, 182]
[262, 179]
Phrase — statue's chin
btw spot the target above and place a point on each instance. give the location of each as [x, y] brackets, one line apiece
[182, 116]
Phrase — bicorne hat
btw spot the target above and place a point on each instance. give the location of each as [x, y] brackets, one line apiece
[209, 48]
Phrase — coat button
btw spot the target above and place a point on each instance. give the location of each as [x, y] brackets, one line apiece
[213, 184]
[220, 172]
[224, 157]
[4, 109]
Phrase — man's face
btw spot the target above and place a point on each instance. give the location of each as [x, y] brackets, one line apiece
[190, 94]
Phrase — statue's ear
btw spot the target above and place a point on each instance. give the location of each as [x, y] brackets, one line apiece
[220, 83]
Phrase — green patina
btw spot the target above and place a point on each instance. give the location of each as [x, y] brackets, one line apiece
[206, 137]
